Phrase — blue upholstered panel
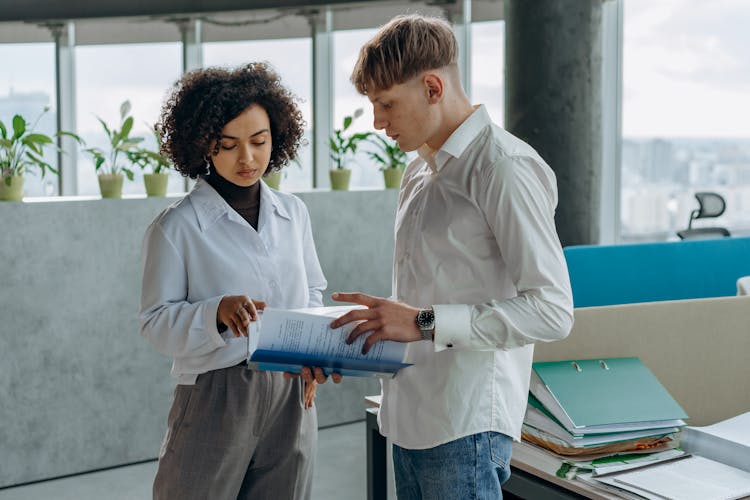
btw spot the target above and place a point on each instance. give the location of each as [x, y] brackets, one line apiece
[649, 272]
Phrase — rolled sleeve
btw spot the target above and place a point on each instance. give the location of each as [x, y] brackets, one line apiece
[175, 327]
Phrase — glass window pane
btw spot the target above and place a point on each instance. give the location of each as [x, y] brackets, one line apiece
[27, 86]
[292, 59]
[488, 67]
[347, 100]
[107, 75]
[685, 114]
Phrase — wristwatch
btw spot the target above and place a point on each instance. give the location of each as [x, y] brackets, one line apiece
[426, 323]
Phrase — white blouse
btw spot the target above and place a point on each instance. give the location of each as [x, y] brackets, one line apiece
[475, 239]
[199, 250]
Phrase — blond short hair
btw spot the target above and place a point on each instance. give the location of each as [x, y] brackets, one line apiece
[402, 49]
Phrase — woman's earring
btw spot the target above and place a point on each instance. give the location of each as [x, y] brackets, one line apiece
[208, 168]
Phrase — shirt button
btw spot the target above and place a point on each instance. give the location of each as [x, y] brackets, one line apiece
[449, 346]
[273, 284]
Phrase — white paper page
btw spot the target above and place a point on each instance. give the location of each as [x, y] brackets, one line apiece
[616, 487]
[694, 478]
[311, 334]
[736, 429]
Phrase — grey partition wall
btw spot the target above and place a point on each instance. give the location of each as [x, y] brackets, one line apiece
[80, 389]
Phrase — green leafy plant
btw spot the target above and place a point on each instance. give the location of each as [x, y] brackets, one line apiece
[120, 144]
[22, 149]
[344, 146]
[150, 159]
[388, 154]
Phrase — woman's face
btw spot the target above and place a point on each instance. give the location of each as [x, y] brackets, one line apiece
[244, 147]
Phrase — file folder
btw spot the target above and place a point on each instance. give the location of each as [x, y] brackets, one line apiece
[604, 395]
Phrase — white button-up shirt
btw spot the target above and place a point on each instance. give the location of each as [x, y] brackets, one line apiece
[199, 250]
[476, 240]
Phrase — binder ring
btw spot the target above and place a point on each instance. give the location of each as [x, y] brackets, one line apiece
[603, 364]
[576, 366]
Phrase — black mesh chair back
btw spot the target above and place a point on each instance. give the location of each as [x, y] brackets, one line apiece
[709, 205]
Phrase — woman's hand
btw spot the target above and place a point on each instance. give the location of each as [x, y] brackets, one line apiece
[237, 311]
[310, 388]
[311, 375]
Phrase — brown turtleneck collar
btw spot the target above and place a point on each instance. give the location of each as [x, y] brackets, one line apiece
[244, 200]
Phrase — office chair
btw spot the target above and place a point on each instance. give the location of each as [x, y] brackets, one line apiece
[709, 205]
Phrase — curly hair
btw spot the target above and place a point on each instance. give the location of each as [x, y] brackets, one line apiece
[203, 101]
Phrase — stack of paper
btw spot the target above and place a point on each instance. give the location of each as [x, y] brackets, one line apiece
[691, 478]
[601, 413]
[727, 441]
[721, 473]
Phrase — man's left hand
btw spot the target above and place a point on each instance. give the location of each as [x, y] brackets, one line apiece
[385, 319]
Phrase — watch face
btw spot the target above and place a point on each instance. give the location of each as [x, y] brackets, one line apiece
[426, 319]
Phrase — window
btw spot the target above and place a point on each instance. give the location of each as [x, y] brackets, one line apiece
[685, 114]
[488, 67]
[347, 100]
[140, 73]
[292, 59]
[27, 87]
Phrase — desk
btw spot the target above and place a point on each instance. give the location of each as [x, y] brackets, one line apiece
[660, 333]
[526, 481]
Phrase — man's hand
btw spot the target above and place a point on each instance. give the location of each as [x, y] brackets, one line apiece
[237, 311]
[385, 319]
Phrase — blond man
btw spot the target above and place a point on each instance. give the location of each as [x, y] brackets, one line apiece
[479, 275]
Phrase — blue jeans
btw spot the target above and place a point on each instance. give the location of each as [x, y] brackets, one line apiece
[469, 468]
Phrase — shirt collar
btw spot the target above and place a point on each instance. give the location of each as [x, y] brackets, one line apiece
[458, 141]
[210, 206]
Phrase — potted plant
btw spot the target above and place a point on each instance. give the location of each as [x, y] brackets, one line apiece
[22, 151]
[390, 158]
[157, 180]
[342, 148]
[273, 179]
[109, 165]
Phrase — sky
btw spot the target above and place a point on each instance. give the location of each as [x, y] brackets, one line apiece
[686, 68]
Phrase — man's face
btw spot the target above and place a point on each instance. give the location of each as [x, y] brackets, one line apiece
[403, 112]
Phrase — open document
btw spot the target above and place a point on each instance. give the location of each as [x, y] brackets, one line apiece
[287, 340]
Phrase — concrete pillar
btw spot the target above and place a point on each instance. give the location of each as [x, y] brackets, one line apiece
[553, 86]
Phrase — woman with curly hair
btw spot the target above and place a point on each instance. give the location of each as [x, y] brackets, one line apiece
[211, 262]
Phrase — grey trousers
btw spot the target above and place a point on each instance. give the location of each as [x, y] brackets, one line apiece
[238, 434]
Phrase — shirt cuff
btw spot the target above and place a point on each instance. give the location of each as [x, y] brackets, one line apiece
[452, 325]
[210, 308]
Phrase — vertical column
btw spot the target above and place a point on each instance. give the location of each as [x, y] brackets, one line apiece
[609, 221]
[321, 25]
[192, 58]
[192, 53]
[459, 14]
[553, 101]
[67, 156]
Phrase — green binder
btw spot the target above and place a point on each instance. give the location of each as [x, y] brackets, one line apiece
[604, 395]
